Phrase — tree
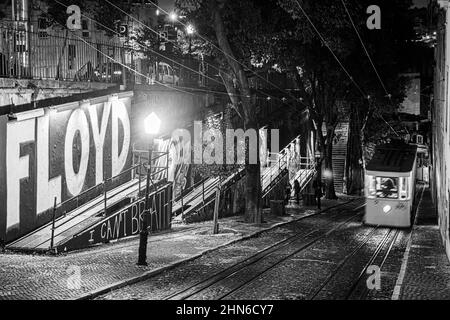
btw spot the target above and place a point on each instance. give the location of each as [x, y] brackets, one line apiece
[369, 121]
[332, 93]
[235, 30]
[321, 80]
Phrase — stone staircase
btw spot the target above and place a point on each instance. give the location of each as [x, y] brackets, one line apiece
[340, 156]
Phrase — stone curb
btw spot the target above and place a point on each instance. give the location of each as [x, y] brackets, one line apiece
[146, 275]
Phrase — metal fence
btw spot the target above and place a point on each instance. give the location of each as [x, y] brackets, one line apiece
[41, 55]
[73, 56]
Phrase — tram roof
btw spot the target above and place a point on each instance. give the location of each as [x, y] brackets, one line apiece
[393, 157]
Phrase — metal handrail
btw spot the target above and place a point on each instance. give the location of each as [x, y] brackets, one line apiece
[135, 201]
[236, 177]
[275, 169]
[206, 190]
[96, 186]
[74, 216]
[191, 188]
[106, 197]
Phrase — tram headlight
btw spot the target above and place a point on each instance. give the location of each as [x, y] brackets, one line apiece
[387, 209]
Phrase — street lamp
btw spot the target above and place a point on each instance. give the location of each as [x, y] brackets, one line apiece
[190, 30]
[173, 16]
[152, 125]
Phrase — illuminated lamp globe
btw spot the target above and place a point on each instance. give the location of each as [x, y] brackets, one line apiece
[152, 124]
[173, 16]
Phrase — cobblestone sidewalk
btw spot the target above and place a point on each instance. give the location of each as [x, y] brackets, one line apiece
[425, 272]
[78, 274]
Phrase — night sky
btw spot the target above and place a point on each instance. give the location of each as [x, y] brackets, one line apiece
[168, 4]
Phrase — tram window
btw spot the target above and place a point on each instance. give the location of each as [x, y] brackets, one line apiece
[387, 188]
[403, 188]
[372, 187]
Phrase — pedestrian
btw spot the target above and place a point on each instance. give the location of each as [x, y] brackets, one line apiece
[297, 191]
[288, 193]
[317, 185]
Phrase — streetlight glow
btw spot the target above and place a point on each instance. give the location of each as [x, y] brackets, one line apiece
[152, 124]
[173, 16]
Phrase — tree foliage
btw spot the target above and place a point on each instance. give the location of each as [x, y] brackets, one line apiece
[318, 62]
[232, 33]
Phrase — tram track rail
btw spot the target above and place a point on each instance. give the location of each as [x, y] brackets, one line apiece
[359, 289]
[124, 244]
[234, 269]
[360, 284]
[342, 263]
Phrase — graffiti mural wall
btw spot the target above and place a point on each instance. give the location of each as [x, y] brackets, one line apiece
[178, 164]
[59, 152]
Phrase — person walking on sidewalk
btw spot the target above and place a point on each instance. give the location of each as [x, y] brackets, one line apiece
[297, 191]
[288, 193]
[317, 185]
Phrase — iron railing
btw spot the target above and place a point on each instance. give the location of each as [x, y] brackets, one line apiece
[54, 54]
[63, 56]
[110, 184]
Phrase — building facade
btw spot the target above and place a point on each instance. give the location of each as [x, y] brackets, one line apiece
[441, 123]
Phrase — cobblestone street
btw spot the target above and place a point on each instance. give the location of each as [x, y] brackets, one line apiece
[323, 256]
[321, 261]
[329, 258]
[49, 277]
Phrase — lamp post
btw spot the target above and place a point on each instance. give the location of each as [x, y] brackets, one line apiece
[190, 30]
[152, 124]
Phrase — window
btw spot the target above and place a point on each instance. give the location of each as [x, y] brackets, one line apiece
[72, 53]
[386, 187]
[403, 188]
[372, 187]
[20, 43]
[84, 27]
[42, 27]
[419, 139]
[99, 53]
[111, 52]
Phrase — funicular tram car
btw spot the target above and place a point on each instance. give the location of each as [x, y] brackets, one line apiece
[390, 185]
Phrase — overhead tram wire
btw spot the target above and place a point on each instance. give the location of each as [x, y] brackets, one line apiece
[365, 49]
[332, 52]
[231, 57]
[216, 47]
[371, 62]
[172, 87]
[174, 42]
[122, 64]
[161, 55]
[176, 62]
[339, 61]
